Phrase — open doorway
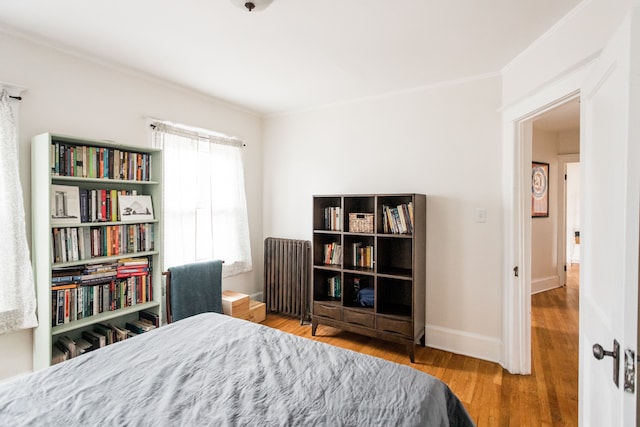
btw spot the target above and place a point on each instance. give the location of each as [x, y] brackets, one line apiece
[555, 257]
[518, 132]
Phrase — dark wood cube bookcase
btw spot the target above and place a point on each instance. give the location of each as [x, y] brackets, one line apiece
[387, 259]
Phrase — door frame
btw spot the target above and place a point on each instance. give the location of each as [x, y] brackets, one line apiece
[517, 146]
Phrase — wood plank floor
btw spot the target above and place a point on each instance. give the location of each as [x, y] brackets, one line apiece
[492, 396]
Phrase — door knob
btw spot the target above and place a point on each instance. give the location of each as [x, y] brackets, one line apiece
[600, 353]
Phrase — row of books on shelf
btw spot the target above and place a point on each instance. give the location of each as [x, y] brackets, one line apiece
[80, 243]
[72, 205]
[398, 219]
[333, 218]
[83, 291]
[97, 205]
[334, 287]
[99, 162]
[362, 255]
[74, 302]
[332, 253]
[102, 335]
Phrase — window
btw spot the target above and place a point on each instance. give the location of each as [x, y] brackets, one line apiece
[17, 293]
[205, 209]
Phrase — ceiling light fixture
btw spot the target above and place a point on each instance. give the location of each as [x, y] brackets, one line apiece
[252, 5]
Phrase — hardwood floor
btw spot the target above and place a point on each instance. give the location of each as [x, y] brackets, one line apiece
[492, 396]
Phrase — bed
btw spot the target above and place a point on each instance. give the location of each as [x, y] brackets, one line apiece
[215, 370]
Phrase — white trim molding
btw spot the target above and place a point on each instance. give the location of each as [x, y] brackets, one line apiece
[459, 342]
[545, 284]
[516, 149]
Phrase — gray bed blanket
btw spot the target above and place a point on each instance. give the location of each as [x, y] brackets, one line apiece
[215, 370]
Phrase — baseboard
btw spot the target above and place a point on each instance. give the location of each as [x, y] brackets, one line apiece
[464, 343]
[545, 284]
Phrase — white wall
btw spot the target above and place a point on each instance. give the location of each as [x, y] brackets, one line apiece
[70, 95]
[569, 142]
[443, 142]
[544, 231]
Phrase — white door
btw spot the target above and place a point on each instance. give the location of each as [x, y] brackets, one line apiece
[610, 152]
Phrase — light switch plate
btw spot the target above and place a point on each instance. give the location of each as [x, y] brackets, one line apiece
[481, 215]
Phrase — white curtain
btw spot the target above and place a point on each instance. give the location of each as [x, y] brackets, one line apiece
[17, 293]
[205, 209]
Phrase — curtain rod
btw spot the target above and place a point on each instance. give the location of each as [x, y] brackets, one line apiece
[13, 88]
[196, 134]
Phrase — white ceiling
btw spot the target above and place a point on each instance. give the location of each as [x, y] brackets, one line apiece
[564, 117]
[296, 54]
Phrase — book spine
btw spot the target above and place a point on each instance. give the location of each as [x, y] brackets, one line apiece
[71, 158]
[67, 308]
[114, 205]
[111, 174]
[84, 205]
[53, 158]
[107, 214]
[103, 205]
[85, 161]
[116, 164]
[75, 256]
[80, 300]
[63, 244]
[100, 160]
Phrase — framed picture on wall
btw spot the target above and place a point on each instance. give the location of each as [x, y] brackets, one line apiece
[539, 190]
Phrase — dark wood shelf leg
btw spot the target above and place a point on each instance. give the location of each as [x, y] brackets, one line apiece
[411, 351]
[314, 326]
